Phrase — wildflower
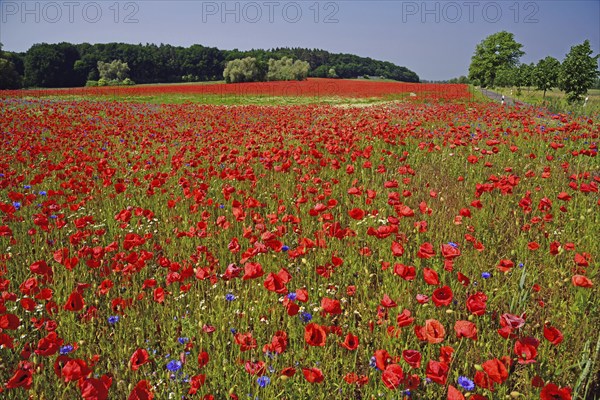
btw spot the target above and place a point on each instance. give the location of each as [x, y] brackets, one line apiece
[113, 319]
[453, 244]
[305, 317]
[174, 365]
[263, 381]
[229, 297]
[27, 187]
[66, 349]
[373, 362]
[285, 248]
[292, 296]
[43, 193]
[16, 205]
[466, 383]
[486, 275]
[183, 340]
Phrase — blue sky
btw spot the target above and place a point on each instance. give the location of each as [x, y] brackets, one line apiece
[436, 39]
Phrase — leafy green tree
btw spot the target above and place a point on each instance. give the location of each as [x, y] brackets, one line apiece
[9, 77]
[506, 77]
[545, 74]
[52, 65]
[115, 70]
[524, 75]
[286, 69]
[242, 70]
[578, 72]
[496, 52]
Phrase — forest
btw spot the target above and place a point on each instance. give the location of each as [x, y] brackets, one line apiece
[70, 65]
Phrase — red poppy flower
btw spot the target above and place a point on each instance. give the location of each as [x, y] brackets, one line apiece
[406, 272]
[495, 370]
[159, 295]
[553, 392]
[450, 252]
[426, 251]
[412, 357]
[404, 318]
[9, 321]
[95, 389]
[138, 358]
[252, 270]
[397, 249]
[526, 349]
[356, 213]
[22, 377]
[553, 335]
[74, 302]
[331, 306]
[141, 391]
[75, 369]
[437, 371]
[313, 375]
[446, 354]
[432, 332]
[505, 265]
[196, 382]
[442, 296]
[350, 342]
[245, 341]
[476, 303]
[382, 359]
[392, 376]
[431, 277]
[454, 394]
[582, 281]
[465, 329]
[387, 302]
[315, 335]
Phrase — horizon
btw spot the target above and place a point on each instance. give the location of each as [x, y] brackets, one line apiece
[435, 39]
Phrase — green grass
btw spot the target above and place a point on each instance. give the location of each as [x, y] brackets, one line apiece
[555, 100]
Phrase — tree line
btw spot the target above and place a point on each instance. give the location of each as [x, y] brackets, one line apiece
[496, 64]
[70, 65]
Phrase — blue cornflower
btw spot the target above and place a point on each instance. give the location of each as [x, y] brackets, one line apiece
[285, 248]
[16, 205]
[521, 265]
[373, 362]
[113, 319]
[229, 297]
[43, 193]
[27, 187]
[292, 296]
[53, 216]
[305, 317]
[183, 340]
[485, 275]
[66, 349]
[174, 365]
[453, 244]
[263, 381]
[221, 206]
[233, 331]
[466, 383]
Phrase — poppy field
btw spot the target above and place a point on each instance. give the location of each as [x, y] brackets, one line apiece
[440, 249]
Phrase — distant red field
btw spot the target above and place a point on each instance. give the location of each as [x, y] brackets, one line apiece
[315, 87]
